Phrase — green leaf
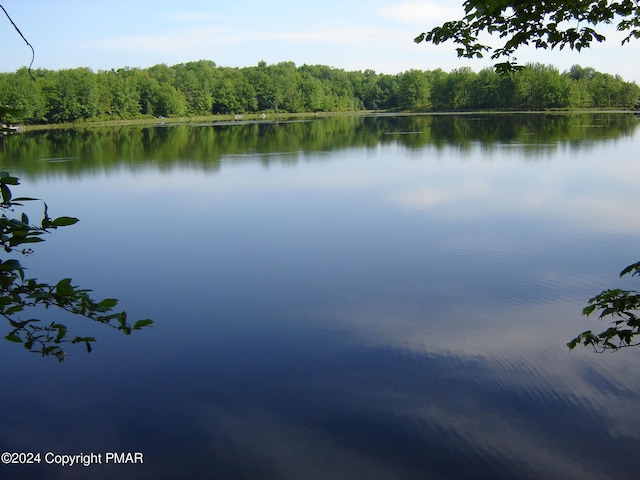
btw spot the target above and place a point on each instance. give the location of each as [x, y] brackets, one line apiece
[10, 265]
[83, 339]
[14, 309]
[7, 179]
[142, 323]
[62, 331]
[108, 303]
[6, 193]
[64, 221]
[607, 311]
[12, 337]
[25, 199]
[64, 288]
[634, 269]
[15, 241]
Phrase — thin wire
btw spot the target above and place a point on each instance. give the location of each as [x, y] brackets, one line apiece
[33, 52]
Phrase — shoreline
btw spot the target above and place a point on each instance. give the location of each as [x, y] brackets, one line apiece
[242, 119]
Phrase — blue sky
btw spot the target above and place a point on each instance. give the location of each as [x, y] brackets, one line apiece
[349, 34]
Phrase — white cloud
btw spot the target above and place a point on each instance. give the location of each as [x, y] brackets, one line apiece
[210, 36]
[177, 42]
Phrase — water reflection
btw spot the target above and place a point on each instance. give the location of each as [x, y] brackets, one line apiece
[369, 305]
[205, 146]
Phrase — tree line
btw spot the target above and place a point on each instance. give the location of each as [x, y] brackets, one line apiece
[203, 88]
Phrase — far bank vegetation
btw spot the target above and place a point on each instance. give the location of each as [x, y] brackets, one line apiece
[203, 88]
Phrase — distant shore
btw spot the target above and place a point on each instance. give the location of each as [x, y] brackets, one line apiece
[282, 117]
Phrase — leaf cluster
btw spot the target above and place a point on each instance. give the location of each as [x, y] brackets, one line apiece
[543, 25]
[18, 294]
[622, 307]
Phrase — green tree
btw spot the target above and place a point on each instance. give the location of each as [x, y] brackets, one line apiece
[539, 86]
[20, 92]
[313, 92]
[105, 91]
[611, 91]
[233, 93]
[389, 91]
[287, 80]
[623, 307]
[338, 86]
[439, 94]
[368, 90]
[71, 95]
[267, 97]
[167, 100]
[579, 97]
[576, 72]
[414, 90]
[459, 87]
[126, 94]
[192, 81]
[492, 91]
[544, 25]
[19, 294]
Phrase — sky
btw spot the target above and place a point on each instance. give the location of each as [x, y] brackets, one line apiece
[348, 34]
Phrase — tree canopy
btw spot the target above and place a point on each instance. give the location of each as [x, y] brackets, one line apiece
[202, 88]
[544, 25]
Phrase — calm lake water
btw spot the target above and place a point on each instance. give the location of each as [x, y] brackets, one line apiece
[343, 298]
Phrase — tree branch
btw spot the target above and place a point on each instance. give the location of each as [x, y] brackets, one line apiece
[33, 52]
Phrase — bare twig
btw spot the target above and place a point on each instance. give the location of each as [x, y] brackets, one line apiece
[33, 52]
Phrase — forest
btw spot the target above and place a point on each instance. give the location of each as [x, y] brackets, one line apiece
[202, 88]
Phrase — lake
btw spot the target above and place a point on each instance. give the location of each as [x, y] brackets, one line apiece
[367, 297]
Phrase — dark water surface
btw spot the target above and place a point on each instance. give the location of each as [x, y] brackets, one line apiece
[342, 298]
